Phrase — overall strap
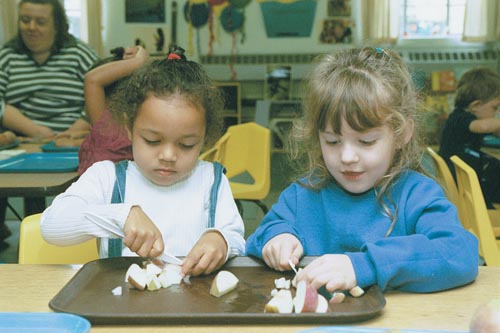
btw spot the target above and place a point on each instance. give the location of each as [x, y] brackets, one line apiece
[115, 244]
[218, 170]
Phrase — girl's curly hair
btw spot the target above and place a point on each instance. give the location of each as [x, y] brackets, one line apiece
[164, 78]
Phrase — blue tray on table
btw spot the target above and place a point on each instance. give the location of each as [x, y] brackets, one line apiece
[31, 322]
[41, 162]
[52, 148]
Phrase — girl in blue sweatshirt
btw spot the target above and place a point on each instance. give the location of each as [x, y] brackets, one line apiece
[364, 206]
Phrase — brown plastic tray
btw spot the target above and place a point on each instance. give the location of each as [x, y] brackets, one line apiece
[88, 294]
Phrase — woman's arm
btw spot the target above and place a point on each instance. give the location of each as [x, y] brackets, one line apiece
[14, 120]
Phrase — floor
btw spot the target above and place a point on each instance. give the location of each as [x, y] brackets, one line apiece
[251, 213]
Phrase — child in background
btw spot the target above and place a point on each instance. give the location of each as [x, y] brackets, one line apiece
[171, 109]
[363, 206]
[476, 105]
[107, 139]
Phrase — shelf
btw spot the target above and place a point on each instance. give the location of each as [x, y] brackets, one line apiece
[232, 106]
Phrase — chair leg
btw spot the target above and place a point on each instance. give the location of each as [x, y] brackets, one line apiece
[262, 206]
[259, 203]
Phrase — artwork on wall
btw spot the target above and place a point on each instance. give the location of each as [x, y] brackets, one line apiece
[278, 80]
[284, 18]
[145, 11]
[339, 8]
[336, 31]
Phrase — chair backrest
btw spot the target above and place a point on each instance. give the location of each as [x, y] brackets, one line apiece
[248, 150]
[216, 153]
[33, 249]
[443, 174]
[475, 211]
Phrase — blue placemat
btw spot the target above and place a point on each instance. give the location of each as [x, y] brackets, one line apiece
[52, 148]
[30, 322]
[41, 162]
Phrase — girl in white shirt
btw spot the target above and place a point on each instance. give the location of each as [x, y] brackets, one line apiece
[171, 109]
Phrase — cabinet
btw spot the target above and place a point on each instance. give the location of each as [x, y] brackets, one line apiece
[232, 106]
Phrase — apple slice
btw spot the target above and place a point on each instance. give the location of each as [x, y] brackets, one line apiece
[153, 283]
[223, 283]
[356, 291]
[322, 306]
[306, 298]
[137, 276]
[281, 302]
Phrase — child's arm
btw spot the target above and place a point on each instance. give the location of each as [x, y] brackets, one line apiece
[100, 77]
[334, 271]
[279, 250]
[207, 255]
[216, 245]
[485, 126]
[141, 234]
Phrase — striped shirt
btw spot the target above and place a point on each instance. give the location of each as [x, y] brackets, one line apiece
[50, 94]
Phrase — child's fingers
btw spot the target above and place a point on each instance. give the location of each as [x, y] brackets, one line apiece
[158, 248]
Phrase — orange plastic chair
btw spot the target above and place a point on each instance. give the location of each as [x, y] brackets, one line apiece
[246, 155]
[475, 212]
[444, 176]
[33, 249]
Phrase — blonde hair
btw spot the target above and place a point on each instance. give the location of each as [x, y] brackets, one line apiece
[367, 88]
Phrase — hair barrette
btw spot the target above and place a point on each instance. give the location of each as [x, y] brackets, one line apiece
[173, 56]
[176, 53]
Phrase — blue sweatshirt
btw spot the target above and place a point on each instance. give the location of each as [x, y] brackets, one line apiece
[428, 249]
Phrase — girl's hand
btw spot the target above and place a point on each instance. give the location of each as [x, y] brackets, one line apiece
[280, 249]
[208, 254]
[135, 52]
[334, 271]
[141, 234]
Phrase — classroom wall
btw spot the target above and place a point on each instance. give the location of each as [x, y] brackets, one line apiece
[118, 33]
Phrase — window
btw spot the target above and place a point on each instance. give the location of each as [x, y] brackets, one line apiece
[75, 10]
[432, 19]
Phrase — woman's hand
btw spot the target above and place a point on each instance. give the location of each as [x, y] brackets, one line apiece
[208, 254]
[334, 271]
[279, 250]
[141, 234]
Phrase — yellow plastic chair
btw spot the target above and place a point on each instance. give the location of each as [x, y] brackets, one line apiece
[33, 249]
[475, 212]
[444, 176]
[246, 155]
[216, 153]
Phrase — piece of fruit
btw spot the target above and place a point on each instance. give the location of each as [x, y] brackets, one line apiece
[486, 319]
[281, 302]
[337, 297]
[356, 291]
[282, 283]
[306, 298]
[223, 283]
[322, 306]
[137, 276]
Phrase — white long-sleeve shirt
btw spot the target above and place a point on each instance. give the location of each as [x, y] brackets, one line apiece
[180, 211]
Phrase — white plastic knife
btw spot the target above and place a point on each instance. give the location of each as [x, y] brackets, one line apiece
[115, 230]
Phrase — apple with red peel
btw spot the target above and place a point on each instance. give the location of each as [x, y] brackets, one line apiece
[486, 319]
[306, 298]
